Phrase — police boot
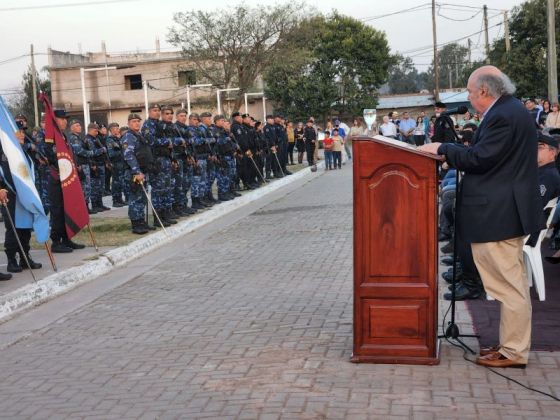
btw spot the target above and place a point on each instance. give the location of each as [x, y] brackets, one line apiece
[13, 266]
[138, 227]
[5, 277]
[234, 193]
[32, 264]
[176, 212]
[164, 222]
[146, 226]
[210, 197]
[268, 177]
[189, 210]
[196, 205]
[204, 201]
[118, 203]
[168, 215]
[224, 197]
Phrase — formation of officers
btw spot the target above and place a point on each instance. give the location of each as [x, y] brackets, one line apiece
[176, 154]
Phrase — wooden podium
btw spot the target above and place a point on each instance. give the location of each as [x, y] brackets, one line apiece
[395, 253]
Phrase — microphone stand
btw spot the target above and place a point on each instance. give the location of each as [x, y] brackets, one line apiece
[452, 331]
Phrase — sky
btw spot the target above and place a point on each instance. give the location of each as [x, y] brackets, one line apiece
[130, 25]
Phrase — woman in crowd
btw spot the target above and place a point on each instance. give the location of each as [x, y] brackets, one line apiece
[418, 135]
[544, 113]
[553, 117]
[300, 144]
[291, 141]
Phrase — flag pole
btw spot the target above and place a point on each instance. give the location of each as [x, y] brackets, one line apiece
[92, 237]
[51, 258]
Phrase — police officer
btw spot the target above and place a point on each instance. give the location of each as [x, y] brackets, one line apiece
[44, 170]
[83, 155]
[60, 241]
[271, 163]
[239, 131]
[310, 138]
[444, 131]
[225, 149]
[252, 144]
[115, 153]
[98, 161]
[102, 137]
[139, 162]
[262, 147]
[183, 154]
[282, 136]
[160, 180]
[171, 210]
[205, 128]
[232, 163]
[201, 154]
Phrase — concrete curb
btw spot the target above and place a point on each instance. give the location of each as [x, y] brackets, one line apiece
[63, 281]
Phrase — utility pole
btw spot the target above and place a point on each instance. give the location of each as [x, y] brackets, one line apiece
[506, 31]
[450, 78]
[34, 83]
[436, 62]
[486, 42]
[552, 68]
[469, 42]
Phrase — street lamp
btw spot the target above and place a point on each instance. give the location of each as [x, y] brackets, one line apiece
[189, 94]
[218, 96]
[84, 98]
[263, 99]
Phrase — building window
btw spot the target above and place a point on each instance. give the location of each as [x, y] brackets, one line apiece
[133, 82]
[186, 77]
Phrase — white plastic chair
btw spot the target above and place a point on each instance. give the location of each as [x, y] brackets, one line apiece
[533, 257]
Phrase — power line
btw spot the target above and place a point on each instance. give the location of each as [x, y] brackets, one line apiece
[464, 6]
[413, 9]
[458, 20]
[59, 5]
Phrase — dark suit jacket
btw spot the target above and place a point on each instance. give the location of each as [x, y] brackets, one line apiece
[499, 196]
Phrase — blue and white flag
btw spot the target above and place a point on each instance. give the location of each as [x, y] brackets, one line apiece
[29, 209]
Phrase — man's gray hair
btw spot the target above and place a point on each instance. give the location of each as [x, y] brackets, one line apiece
[497, 84]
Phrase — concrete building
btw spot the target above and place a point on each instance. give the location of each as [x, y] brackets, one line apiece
[114, 85]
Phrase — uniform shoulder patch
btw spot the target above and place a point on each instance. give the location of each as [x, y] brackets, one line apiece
[49, 140]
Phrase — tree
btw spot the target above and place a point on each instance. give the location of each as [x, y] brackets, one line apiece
[329, 63]
[23, 103]
[403, 76]
[453, 65]
[233, 47]
[526, 63]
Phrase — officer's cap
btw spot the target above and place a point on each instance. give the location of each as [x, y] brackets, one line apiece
[236, 114]
[245, 116]
[123, 129]
[270, 117]
[219, 117]
[60, 113]
[551, 141]
[205, 114]
[74, 121]
[181, 111]
[278, 116]
[258, 124]
[194, 116]
[19, 124]
[21, 117]
[92, 126]
[166, 108]
[440, 105]
[154, 106]
[113, 124]
[134, 116]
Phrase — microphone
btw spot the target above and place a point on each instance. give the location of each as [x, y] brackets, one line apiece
[457, 110]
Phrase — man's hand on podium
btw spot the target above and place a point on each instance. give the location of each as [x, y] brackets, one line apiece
[430, 148]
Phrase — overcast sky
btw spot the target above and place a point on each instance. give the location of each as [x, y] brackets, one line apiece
[128, 25]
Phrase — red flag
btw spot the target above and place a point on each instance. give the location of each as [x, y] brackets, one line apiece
[76, 215]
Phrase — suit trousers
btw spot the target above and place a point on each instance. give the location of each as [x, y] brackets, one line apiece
[503, 274]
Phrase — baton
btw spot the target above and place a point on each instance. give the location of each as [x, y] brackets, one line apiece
[280, 166]
[152, 206]
[257, 168]
[23, 253]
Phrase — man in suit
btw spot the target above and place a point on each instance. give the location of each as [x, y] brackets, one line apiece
[498, 205]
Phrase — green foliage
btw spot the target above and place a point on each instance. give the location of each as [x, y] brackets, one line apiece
[453, 66]
[403, 76]
[334, 62]
[23, 103]
[526, 63]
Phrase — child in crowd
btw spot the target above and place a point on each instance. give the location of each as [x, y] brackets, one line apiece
[328, 146]
[337, 149]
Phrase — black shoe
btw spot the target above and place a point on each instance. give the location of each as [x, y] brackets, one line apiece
[447, 260]
[279, 175]
[118, 204]
[189, 210]
[5, 277]
[448, 275]
[224, 197]
[168, 215]
[196, 204]
[92, 211]
[34, 265]
[97, 210]
[164, 222]
[447, 248]
[286, 172]
[60, 248]
[205, 202]
[462, 293]
[73, 245]
[235, 194]
[105, 208]
[13, 266]
[138, 227]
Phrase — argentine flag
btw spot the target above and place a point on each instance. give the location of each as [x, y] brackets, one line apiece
[29, 209]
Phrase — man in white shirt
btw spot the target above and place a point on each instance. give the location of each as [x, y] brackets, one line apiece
[388, 129]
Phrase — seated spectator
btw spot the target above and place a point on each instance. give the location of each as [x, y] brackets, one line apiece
[553, 117]
[467, 118]
[406, 128]
[337, 149]
[388, 128]
[328, 146]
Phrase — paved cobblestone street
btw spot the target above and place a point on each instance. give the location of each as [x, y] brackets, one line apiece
[254, 322]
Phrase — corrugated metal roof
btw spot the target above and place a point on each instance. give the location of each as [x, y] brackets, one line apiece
[411, 101]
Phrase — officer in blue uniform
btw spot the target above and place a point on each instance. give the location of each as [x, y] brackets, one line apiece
[83, 155]
[139, 163]
[97, 167]
[232, 163]
[183, 155]
[211, 161]
[224, 150]
[160, 180]
[115, 153]
[44, 171]
[201, 154]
